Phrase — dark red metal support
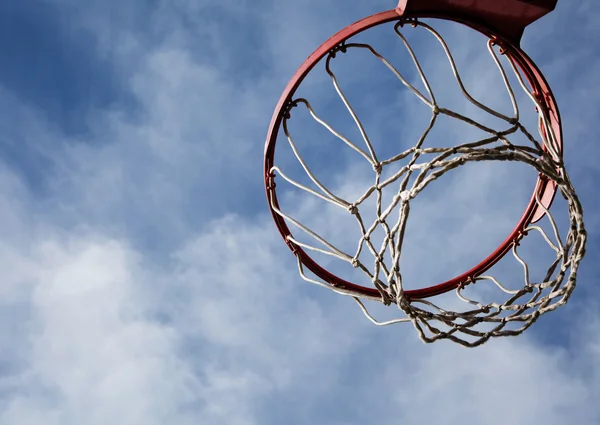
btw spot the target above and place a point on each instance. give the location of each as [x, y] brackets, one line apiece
[507, 18]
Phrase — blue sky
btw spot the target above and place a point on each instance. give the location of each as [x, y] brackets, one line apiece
[144, 281]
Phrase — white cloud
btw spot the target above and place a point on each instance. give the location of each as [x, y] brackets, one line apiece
[91, 353]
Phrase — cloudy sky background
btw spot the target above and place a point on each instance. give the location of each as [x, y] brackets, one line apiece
[143, 280]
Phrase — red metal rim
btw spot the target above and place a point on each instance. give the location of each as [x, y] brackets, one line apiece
[532, 213]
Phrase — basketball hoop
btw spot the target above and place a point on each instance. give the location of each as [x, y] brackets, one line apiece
[502, 22]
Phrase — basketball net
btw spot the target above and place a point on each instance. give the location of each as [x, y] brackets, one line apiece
[480, 320]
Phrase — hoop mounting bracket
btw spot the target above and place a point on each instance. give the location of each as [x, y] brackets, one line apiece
[509, 18]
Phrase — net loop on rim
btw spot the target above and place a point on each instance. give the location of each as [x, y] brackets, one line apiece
[431, 321]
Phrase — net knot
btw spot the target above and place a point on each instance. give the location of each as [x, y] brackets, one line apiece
[287, 112]
[500, 44]
[342, 48]
[353, 209]
[270, 179]
[410, 21]
[377, 167]
[292, 245]
[404, 196]
[405, 306]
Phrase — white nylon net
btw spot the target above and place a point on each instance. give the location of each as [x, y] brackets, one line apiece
[474, 325]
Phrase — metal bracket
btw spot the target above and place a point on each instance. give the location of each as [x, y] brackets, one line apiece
[509, 18]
